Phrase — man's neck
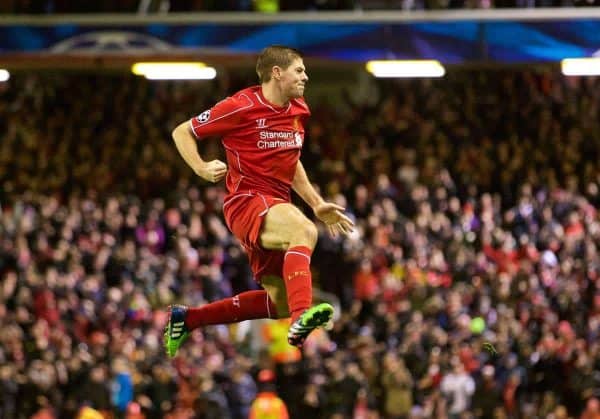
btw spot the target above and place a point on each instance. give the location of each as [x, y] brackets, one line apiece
[273, 94]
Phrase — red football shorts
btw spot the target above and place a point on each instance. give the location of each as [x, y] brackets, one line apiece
[244, 214]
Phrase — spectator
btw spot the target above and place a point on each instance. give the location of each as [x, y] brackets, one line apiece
[267, 404]
[487, 394]
[397, 385]
[592, 409]
[457, 387]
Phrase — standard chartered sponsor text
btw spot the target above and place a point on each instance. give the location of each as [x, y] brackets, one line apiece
[282, 135]
[281, 139]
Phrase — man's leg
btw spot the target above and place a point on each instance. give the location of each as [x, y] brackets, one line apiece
[245, 220]
[247, 305]
[287, 229]
[275, 287]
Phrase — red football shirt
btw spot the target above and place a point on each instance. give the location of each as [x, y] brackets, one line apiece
[262, 141]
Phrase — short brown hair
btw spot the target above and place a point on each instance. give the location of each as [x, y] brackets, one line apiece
[275, 55]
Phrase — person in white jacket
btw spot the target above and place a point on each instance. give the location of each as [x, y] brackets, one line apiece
[457, 387]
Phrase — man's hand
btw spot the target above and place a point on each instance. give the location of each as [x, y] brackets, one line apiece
[212, 171]
[333, 216]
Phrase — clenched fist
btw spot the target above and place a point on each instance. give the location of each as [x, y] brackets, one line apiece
[212, 171]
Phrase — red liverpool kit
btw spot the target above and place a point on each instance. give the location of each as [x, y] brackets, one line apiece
[263, 144]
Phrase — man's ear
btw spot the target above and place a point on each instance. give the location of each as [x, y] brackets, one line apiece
[276, 72]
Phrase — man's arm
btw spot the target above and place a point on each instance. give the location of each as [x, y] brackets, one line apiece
[329, 213]
[302, 186]
[212, 171]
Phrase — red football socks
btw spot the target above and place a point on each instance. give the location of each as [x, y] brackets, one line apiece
[248, 305]
[298, 279]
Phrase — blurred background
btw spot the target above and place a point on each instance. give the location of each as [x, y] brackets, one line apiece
[473, 181]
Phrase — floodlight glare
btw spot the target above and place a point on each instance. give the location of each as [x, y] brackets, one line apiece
[580, 66]
[4, 75]
[406, 68]
[174, 71]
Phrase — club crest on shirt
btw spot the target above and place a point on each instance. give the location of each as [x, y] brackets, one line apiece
[204, 116]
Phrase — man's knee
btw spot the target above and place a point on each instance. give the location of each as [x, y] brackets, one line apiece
[307, 234]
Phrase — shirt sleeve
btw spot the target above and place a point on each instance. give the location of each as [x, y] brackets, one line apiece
[221, 118]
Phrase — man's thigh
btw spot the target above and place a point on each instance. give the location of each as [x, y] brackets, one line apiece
[244, 214]
[281, 224]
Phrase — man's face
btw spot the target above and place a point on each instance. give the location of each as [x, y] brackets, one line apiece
[293, 79]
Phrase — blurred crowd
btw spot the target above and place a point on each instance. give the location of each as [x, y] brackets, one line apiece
[475, 199]
[268, 6]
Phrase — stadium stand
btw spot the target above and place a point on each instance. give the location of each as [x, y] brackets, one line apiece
[476, 204]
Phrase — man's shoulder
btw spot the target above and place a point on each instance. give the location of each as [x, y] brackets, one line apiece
[246, 96]
[242, 99]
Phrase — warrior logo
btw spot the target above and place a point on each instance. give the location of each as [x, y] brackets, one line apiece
[261, 123]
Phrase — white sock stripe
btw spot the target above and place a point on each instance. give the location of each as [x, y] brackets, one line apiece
[296, 253]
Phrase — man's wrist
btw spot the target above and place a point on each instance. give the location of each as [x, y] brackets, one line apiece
[320, 201]
[199, 168]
